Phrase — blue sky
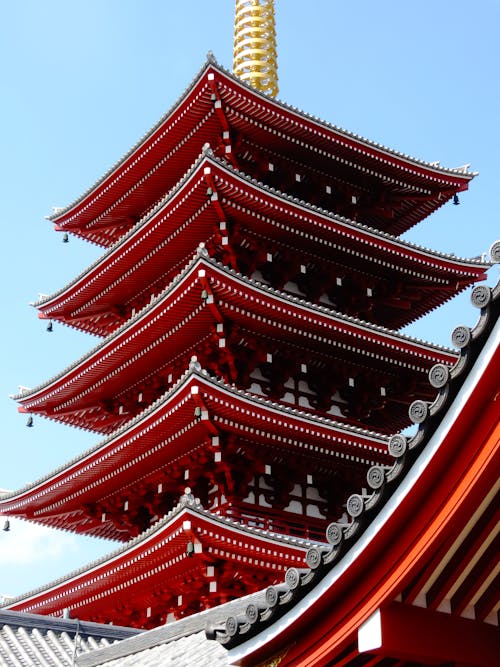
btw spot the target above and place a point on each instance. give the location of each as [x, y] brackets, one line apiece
[83, 80]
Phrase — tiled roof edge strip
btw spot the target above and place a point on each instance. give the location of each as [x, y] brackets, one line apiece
[345, 536]
[69, 625]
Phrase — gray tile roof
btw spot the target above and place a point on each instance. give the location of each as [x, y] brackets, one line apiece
[30, 640]
[181, 643]
[194, 649]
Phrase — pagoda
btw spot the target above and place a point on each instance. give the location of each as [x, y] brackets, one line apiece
[250, 369]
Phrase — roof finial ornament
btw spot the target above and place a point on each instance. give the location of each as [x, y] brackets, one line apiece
[254, 55]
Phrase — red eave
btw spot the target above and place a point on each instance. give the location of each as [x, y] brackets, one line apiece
[145, 344]
[98, 299]
[170, 430]
[138, 571]
[117, 201]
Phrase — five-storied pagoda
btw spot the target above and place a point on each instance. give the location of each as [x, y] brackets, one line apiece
[250, 372]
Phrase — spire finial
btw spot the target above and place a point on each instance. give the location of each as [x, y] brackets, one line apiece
[254, 55]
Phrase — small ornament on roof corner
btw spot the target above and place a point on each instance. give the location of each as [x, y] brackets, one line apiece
[418, 412]
[187, 497]
[194, 364]
[397, 445]
[375, 477]
[313, 558]
[355, 505]
[206, 149]
[272, 596]
[252, 613]
[231, 626]
[334, 534]
[211, 58]
[201, 250]
[292, 578]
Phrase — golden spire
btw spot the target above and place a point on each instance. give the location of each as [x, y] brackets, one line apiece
[254, 55]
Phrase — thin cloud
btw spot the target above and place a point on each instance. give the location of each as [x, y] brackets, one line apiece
[27, 543]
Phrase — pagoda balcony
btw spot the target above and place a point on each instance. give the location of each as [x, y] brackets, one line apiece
[239, 453]
[259, 231]
[247, 333]
[189, 561]
[272, 142]
[280, 522]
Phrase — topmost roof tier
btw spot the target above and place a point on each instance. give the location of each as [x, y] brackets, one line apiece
[272, 142]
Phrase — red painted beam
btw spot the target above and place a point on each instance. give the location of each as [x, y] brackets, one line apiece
[488, 601]
[481, 571]
[428, 637]
[464, 554]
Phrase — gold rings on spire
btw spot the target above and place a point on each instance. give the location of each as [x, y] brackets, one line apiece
[254, 55]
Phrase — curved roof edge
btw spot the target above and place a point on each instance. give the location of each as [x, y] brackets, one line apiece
[187, 505]
[54, 217]
[195, 371]
[199, 257]
[287, 602]
[207, 156]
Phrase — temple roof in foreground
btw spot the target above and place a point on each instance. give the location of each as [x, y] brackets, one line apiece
[27, 640]
[182, 643]
[421, 547]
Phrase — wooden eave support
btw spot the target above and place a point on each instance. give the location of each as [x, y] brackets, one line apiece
[221, 116]
[483, 569]
[461, 556]
[422, 636]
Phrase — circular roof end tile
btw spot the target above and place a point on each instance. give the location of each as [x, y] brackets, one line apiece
[439, 376]
[418, 411]
[460, 337]
[397, 445]
[480, 296]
